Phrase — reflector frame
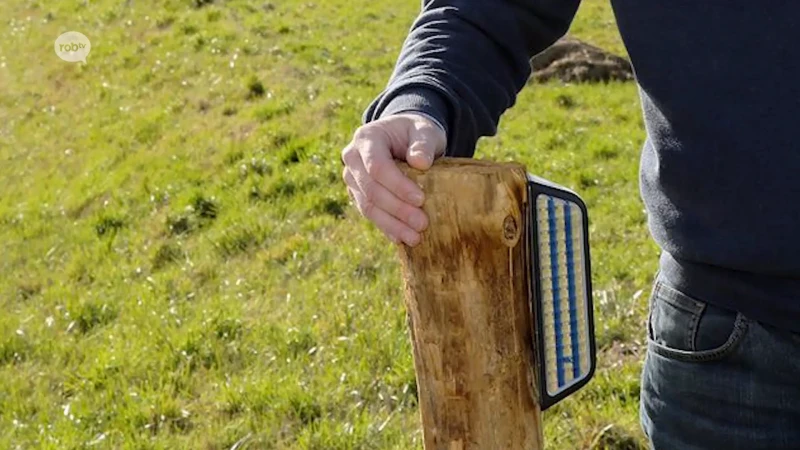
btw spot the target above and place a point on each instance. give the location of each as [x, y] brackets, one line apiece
[560, 290]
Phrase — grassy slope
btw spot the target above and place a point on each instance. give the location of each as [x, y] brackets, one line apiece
[180, 266]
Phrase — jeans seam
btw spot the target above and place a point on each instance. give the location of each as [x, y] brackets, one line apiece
[690, 332]
[694, 325]
[739, 328]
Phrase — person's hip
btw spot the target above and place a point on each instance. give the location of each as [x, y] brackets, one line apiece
[715, 379]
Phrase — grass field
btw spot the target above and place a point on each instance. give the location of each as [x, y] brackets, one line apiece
[180, 264]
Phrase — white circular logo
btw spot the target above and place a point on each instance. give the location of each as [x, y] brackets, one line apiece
[73, 46]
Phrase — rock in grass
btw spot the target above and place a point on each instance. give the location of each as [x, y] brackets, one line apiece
[574, 61]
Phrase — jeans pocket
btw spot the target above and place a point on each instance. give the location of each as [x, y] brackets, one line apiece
[683, 328]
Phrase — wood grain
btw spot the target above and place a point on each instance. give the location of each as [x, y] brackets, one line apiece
[466, 296]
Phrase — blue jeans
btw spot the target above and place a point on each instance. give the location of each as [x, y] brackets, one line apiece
[714, 379]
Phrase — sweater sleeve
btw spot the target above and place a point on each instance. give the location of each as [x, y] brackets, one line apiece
[464, 62]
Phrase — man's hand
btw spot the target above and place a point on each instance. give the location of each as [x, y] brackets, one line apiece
[379, 189]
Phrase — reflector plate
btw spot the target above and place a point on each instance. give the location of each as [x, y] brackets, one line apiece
[563, 293]
[561, 290]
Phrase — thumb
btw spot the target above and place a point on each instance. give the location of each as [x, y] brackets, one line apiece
[426, 142]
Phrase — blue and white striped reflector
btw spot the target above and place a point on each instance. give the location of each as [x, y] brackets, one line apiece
[563, 302]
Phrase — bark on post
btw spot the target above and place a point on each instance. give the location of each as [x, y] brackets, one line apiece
[466, 295]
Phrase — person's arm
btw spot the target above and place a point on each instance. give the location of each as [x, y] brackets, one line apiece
[464, 62]
[462, 65]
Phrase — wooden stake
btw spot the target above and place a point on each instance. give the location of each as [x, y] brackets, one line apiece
[467, 298]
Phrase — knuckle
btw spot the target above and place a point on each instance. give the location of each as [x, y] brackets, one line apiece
[363, 133]
[348, 154]
[424, 126]
[376, 169]
[430, 132]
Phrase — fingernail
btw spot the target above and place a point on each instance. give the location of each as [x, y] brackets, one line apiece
[426, 156]
[418, 151]
[411, 238]
[417, 221]
[416, 198]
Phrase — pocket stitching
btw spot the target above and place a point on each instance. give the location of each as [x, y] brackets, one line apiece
[739, 328]
[679, 300]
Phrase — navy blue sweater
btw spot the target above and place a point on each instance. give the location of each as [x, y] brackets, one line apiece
[720, 90]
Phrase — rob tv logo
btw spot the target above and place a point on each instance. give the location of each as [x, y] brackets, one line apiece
[73, 47]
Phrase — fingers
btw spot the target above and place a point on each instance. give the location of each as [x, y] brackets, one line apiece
[380, 190]
[398, 220]
[377, 160]
[395, 230]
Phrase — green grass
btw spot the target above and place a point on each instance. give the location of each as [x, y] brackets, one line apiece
[180, 265]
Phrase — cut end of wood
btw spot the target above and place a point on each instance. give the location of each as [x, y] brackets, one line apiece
[493, 192]
[463, 164]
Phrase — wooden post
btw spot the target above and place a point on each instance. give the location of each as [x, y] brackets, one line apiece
[467, 298]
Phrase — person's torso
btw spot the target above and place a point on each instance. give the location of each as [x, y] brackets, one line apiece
[720, 89]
